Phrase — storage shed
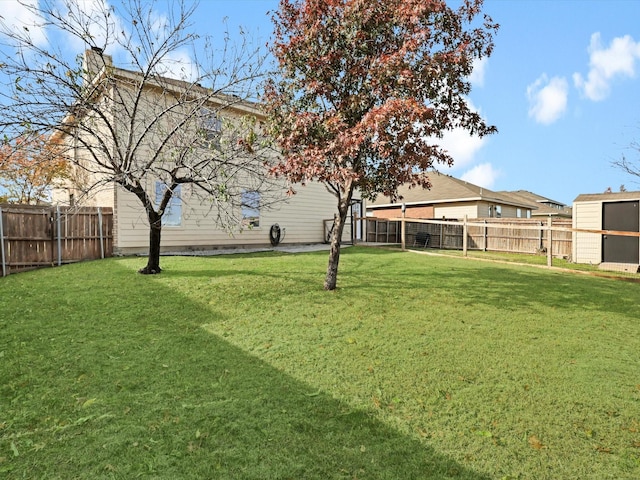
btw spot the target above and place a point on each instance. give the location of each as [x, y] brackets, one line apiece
[611, 212]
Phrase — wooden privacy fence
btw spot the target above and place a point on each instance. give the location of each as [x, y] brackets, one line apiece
[34, 236]
[496, 234]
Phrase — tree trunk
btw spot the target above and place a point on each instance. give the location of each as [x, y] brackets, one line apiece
[155, 228]
[336, 237]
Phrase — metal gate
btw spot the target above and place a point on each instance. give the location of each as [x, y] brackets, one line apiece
[623, 217]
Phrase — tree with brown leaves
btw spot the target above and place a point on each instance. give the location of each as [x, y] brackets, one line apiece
[365, 90]
[30, 167]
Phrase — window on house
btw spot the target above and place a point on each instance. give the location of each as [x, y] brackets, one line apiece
[498, 211]
[528, 213]
[172, 216]
[250, 203]
[210, 127]
[518, 212]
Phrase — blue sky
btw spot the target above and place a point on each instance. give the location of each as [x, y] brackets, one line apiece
[562, 87]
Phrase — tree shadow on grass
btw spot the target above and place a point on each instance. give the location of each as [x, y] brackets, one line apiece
[147, 392]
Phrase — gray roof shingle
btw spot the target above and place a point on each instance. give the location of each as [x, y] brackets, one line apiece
[445, 188]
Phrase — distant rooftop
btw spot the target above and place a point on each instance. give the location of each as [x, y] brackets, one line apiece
[445, 189]
[546, 206]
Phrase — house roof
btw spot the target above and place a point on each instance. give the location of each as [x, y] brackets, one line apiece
[446, 189]
[603, 197]
[531, 197]
[540, 202]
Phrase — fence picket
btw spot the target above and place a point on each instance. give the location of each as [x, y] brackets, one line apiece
[504, 234]
[4, 265]
[37, 236]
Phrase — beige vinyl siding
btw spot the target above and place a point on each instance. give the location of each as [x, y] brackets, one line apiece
[103, 197]
[300, 217]
[100, 195]
[587, 247]
[509, 211]
[483, 210]
[506, 211]
[456, 210]
[303, 214]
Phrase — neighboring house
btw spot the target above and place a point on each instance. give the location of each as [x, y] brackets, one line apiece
[189, 222]
[450, 198]
[612, 212]
[544, 206]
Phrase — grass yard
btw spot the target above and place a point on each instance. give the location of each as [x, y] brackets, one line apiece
[530, 259]
[242, 367]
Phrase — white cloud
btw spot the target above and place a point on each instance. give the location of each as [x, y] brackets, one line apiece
[483, 175]
[111, 33]
[20, 15]
[461, 146]
[547, 99]
[178, 65]
[479, 69]
[95, 20]
[617, 60]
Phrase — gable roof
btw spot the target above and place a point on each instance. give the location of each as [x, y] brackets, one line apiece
[535, 200]
[445, 189]
[531, 197]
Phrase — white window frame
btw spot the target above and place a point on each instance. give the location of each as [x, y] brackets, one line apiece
[172, 216]
[250, 207]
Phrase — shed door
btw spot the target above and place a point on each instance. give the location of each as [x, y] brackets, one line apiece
[621, 216]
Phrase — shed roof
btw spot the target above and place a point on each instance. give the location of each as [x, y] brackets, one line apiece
[607, 197]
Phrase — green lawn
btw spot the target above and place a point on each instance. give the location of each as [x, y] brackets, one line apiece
[529, 259]
[417, 367]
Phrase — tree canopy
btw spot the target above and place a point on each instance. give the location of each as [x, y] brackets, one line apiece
[365, 90]
[29, 168]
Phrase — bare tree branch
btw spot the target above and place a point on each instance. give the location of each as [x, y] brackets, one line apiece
[149, 121]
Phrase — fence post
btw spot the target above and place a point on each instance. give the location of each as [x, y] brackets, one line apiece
[484, 237]
[59, 228]
[100, 231]
[540, 238]
[403, 235]
[549, 242]
[464, 236]
[4, 265]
